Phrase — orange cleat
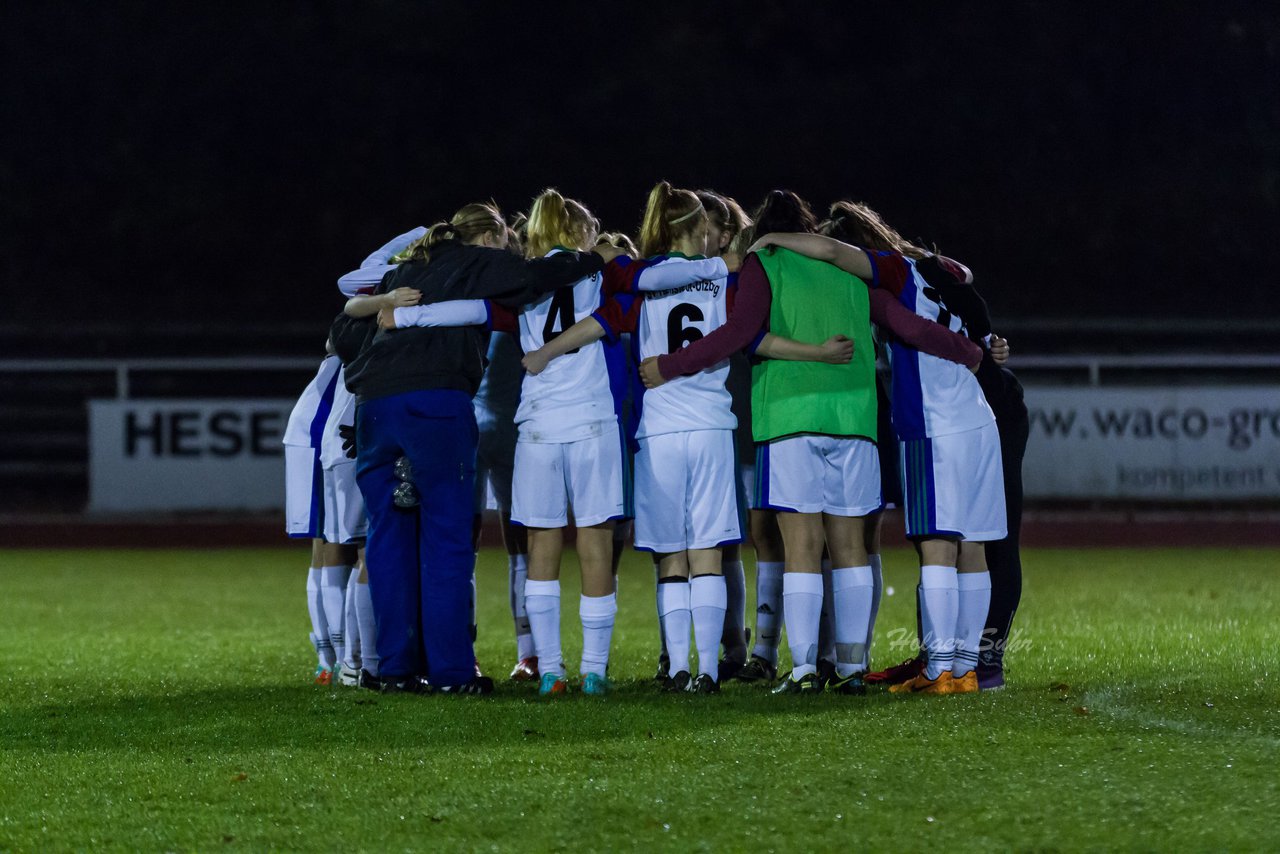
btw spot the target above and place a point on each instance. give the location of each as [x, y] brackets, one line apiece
[922, 684]
[966, 684]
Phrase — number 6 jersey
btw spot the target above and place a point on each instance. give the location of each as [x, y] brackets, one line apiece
[670, 310]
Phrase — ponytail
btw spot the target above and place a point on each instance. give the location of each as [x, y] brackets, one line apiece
[557, 221]
[669, 215]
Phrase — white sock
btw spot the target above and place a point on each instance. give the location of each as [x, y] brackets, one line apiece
[733, 636]
[517, 575]
[333, 594]
[351, 629]
[369, 659]
[938, 606]
[597, 614]
[319, 625]
[852, 588]
[973, 589]
[827, 622]
[657, 604]
[802, 604]
[877, 590]
[675, 615]
[707, 598]
[542, 604]
[768, 610]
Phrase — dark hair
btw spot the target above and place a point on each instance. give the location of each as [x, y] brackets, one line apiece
[857, 223]
[783, 211]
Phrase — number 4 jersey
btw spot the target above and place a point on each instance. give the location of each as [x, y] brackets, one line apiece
[669, 302]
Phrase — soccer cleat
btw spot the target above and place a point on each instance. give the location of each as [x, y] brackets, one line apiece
[757, 670]
[678, 683]
[897, 674]
[553, 684]
[705, 684]
[476, 686]
[526, 670]
[966, 684]
[349, 676]
[728, 669]
[922, 684]
[368, 680]
[323, 675]
[851, 684]
[826, 672]
[664, 664]
[404, 685]
[990, 677]
[806, 684]
[596, 685]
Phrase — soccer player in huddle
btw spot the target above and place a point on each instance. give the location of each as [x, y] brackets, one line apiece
[952, 482]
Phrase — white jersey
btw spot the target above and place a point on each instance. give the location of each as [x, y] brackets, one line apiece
[306, 421]
[343, 412]
[571, 399]
[669, 320]
[932, 396]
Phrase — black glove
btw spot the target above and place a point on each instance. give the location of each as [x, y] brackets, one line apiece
[348, 434]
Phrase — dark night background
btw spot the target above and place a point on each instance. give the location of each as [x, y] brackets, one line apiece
[169, 172]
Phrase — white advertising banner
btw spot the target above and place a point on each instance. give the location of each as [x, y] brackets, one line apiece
[1195, 443]
[186, 454]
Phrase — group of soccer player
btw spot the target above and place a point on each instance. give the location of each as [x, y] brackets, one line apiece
[609, 390]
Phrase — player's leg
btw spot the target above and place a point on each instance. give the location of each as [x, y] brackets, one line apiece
[676, 615]
[594, 476]
[540, 504]
[1004, 557]
[326, 659]
[369, 661]
[391, 551]
[973, 600]
[707, 603]
[851, 495]
[440, 441]
[347, 524]
[712, 522]
[767, 541]
[871, 540]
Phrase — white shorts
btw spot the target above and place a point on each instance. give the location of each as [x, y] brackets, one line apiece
[552, 477]
[344, 517]
[953, 486]
[687, 492]
[810, 473]
[495, 463]
[303, 492]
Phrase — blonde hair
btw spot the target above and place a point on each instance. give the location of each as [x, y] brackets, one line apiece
[619, 240]
[728, 216]
[469, 223]
[857, 223]
[669, 215]
[557, 221]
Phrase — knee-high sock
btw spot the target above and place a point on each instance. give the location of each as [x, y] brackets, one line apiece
[319, 625]
[675, 615]
[733, 636]
[542, 604]
[517, 575]
[333, 593]
[827, 622]
[853, 588]
[938, 610]
[597, 614]
[707, 598]
[768, 610]
[973, 589]
[877, 590]
[802, 605]
[368, 629]
[351, 628]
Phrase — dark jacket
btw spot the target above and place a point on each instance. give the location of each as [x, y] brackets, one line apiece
[399, 360]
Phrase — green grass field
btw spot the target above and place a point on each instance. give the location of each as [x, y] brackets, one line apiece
[161, 700]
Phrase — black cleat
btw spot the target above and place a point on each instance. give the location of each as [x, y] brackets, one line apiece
[807, 684]
[757, 670]
[476, 686]
[852, 685]
[403, 684]
[704, 684]
[664, 664]
[677, 684]
[826, 672]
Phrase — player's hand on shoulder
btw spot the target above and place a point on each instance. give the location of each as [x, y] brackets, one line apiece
[535, 362]
[403, 297]
[999, 349]
[837, 350]
[387, 318]
[649, 373]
